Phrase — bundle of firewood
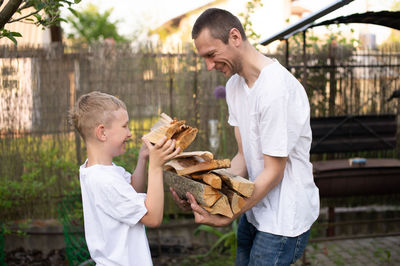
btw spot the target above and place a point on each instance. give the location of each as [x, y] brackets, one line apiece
[214, 188]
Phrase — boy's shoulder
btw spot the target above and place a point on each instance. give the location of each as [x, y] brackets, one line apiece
[106, 174]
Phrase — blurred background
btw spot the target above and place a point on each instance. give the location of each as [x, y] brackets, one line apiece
[142, 52]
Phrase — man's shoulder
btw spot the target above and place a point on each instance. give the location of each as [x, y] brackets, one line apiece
[234, 81]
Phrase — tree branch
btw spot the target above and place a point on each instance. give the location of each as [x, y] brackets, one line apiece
[21, 18]
[8, 11]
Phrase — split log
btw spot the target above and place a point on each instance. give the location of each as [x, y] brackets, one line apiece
[209, 178]
[185, 166]
[205, 155]
[236, 183]
[237, 202]
[204, 194]
[222, 207]
[172, 129]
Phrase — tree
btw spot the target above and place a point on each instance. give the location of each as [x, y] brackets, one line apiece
[90, 25]
[251, 6]
[42, 13]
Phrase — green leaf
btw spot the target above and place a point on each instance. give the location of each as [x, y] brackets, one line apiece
[12, 39]
[208, 229]
[16, 34]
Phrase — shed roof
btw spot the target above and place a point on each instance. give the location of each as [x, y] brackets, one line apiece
[305, 22]
[389, 19]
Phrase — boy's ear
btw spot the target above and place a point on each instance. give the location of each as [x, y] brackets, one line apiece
[100, 133]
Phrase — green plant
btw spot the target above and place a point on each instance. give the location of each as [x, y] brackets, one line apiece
[43, 178]
[383, 255]
[228, 239]
[251, 6]
[129, 159]
[90, 25]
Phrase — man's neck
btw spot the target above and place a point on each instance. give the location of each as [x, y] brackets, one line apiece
[252, 63]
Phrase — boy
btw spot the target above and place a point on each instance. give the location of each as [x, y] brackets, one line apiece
[114, 205]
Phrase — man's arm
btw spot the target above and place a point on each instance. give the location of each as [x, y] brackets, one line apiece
[238, 164]
[269, 177]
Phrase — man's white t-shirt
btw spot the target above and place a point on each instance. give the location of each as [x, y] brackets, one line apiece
[274, 119]
[112, 210]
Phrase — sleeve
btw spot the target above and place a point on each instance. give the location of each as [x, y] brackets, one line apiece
[283, 120]
[274, 128]
[119, 200]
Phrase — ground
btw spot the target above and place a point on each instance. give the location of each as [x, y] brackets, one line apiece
[365, 251]
[362, 252]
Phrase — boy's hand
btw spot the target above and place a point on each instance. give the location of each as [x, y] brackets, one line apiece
[144, 152]
[163, 151]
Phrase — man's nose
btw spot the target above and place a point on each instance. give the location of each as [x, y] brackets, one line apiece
[210, 63]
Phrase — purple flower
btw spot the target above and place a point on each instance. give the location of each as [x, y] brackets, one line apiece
[219, 92]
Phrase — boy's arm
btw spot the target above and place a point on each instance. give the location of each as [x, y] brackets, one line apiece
[138, 178]
[160, 153]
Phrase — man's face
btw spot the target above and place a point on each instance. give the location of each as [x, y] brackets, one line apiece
[217, 54]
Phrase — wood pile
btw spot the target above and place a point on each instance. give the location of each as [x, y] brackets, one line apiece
[197, 172]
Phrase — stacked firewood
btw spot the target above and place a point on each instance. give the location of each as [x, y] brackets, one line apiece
[214, 188]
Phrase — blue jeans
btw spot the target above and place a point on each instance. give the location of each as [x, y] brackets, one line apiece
[259, 248]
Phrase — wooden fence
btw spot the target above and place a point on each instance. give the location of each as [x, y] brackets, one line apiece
[39, 85]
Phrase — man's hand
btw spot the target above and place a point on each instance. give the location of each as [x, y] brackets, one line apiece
[201, 216]
[184, 205]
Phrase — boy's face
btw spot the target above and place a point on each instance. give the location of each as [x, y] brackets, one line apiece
[118, 132]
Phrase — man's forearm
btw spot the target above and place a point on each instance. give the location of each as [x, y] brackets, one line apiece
[238, 166]
[269, 178]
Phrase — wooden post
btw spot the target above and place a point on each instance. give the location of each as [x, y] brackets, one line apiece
[331, 220]
[332, 77]
[171, 103]
[398, 129]
[287, 54]
[75, 84]
[304, 77]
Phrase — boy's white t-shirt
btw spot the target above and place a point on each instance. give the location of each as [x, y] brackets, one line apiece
[273, 119]
[112, 210]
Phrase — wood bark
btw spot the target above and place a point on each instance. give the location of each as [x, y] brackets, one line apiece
[8, 11]
[204, 194]
[236, 201]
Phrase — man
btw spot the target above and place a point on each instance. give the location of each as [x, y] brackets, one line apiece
[270, 113]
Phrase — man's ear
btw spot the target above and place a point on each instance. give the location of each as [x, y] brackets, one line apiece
[235, 37]
[101, 132]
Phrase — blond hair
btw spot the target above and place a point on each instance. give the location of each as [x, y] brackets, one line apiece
[93, 109]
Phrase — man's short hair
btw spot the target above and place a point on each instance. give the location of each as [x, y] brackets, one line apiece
[93, 109]
[219, 22]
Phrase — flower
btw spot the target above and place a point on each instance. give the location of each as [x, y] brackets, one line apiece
[219, 92]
